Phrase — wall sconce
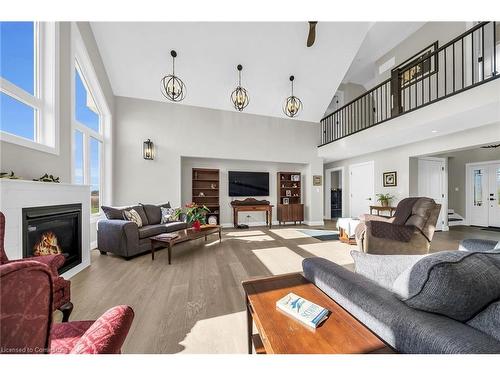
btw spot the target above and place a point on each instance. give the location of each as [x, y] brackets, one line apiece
[148, 150]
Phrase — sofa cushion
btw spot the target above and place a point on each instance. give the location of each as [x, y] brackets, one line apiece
[382, 269]
[113, 213]
[140, 210]
[456, 284]
[151, 230]
[153, 212]
[175, 226]
[488, 320]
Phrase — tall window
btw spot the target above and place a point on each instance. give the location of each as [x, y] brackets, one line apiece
[18, 69]
[88, 139]
[27, 83]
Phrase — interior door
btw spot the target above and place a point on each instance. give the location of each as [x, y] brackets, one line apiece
[431, 184]
[361, 188]
[478, 207]
[493, 201]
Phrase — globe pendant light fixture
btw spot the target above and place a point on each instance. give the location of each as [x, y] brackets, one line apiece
[172, 86]
[292, 104]
[239, 97]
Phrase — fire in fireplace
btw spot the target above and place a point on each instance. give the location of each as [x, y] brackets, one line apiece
[53, 230]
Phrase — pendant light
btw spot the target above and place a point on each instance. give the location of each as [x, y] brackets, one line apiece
[292, 104]
[172, 86]
[239, 97]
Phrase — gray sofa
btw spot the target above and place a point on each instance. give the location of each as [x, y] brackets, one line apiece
[121, 237]
[367, 295]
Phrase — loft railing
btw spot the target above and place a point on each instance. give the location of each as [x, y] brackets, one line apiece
[432, 75]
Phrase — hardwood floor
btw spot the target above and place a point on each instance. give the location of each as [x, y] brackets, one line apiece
[196, 304]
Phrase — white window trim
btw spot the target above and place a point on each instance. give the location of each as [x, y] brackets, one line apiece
[81, 61]
[46, 97]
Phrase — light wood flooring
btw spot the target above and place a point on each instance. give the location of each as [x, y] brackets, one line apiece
[196, 305]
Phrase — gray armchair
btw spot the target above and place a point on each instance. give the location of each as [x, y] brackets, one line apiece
[410, 231]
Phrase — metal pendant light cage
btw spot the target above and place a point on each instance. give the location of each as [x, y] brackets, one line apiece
[292, 105]
[239, 96]
[172, 86]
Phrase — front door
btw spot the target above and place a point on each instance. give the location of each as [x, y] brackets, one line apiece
[431, 184]
[361, 189]
[484, 195]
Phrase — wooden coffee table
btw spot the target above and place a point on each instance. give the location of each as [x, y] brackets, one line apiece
[278, 333]
[183, 235]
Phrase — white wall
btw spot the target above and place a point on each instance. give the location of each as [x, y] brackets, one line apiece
[226, 213]
[398, 158]
[185, 131]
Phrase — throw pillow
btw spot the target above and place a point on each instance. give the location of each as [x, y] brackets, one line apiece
[113, 213]
[167, 215]
[453, 283]
[132, 215]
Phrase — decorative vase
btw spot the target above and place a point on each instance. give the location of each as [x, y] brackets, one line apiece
[385, 203]
[196, 225]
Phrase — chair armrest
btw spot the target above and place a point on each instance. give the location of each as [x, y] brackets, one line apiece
[117, 236]
[477, 245]
[54, 262]
[368, 217]
[107, 334]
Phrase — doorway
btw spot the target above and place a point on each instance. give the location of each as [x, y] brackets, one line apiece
[483, 194]
[433, 183]
[334, 193]
[361, 188]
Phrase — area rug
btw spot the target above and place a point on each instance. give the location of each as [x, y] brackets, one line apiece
[322, 235]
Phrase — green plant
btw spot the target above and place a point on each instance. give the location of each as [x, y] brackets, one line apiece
[384, 199]
[193, 212]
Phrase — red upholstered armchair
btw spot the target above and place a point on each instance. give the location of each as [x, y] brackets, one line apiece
[62, 287]
[26, 317]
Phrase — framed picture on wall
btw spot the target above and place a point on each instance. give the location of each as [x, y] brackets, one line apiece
[286, 200]
[390, 179]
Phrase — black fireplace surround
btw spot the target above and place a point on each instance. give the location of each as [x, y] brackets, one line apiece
[54, 230]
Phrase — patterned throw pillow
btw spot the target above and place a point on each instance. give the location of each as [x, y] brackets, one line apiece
[167, 215]
[133, 215]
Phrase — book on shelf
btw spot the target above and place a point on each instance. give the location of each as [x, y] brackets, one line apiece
[303, 310]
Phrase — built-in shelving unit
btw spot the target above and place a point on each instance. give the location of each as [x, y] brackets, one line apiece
[205, 186]
[289, 197]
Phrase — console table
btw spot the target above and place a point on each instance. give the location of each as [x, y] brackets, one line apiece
[251, 204]
[382, 208]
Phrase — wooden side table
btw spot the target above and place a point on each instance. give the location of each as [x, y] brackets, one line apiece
[278, 333]
[382, 208]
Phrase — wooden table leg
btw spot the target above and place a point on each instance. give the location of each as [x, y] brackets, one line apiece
[152, 250]
[169, 248]
[270, 219]
[220, 235]
[249, 325]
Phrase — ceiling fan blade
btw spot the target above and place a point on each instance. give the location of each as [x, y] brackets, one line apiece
[312, 33]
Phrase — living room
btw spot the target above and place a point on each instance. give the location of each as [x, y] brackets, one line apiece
[172, 187]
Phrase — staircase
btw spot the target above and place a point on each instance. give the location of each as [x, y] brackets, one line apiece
[454, 218]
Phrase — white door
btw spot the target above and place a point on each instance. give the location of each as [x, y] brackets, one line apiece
[361, 189]
[484, 195]
[494, 196]
[431, 184]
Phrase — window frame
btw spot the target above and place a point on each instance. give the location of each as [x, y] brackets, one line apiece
[46, 92]
[82, 63]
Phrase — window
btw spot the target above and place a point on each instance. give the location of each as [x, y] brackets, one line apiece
[27, 84]
[88, 139]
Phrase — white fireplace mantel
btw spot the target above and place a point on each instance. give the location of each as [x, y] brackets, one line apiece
[18, 194]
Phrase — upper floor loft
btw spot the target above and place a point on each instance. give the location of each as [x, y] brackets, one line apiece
[433, 74]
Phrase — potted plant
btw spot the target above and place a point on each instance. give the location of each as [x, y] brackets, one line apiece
[195, 215]
[384, 199]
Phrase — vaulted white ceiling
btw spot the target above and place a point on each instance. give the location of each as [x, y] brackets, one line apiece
[137, 55]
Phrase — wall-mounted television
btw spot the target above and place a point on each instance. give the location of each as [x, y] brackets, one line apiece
[248, 184]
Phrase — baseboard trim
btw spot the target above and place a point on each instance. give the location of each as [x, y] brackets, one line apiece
[314, 223]
[93, 245]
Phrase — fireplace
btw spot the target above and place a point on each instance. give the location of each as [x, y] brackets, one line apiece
[54, 230]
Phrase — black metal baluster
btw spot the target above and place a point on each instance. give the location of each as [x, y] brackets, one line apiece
[453, 67]
[463, 63]
[494, 48]
[482, 53]
[472, 54]
[445, 74]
